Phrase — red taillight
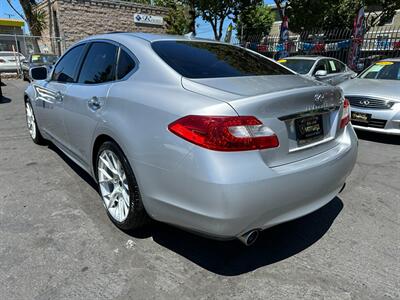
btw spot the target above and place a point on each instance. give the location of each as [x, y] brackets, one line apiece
[346, 114]
[223, 133]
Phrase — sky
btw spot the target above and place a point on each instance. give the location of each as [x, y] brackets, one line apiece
[204, 29]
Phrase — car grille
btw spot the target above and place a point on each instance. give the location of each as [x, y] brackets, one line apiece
[367, 102]
[375, 123]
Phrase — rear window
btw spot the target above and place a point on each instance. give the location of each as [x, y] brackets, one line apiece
[301, 66]
[211, 60]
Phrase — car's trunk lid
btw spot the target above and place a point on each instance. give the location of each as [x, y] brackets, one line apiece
[288, 104]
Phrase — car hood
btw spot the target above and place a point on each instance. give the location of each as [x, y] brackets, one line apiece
[388, 89]
[247, 86]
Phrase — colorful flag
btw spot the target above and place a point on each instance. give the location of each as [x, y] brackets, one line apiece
[228, 34]
[284, 38]
[358, 37]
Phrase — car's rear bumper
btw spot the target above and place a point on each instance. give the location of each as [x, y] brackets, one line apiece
[385, 121]
[225, 195]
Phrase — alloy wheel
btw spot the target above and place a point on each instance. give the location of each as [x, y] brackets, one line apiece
[114, 186]
[30, 120]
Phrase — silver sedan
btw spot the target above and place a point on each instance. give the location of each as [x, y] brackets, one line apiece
[375, 97]
[207, 136]
[321, 68]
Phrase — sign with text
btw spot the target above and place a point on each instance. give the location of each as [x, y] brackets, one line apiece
[148, 19]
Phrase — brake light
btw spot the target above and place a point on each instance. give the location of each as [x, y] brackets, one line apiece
[346, 114]
[223, 133]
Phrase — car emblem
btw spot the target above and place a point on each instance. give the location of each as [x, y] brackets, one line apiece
[365, 102]
[319, 99]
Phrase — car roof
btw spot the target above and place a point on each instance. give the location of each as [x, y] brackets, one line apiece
[149, 37]
[308, 57]
[397, 59]
[9, 52]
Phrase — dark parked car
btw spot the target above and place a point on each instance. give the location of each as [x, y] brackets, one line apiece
[37, 60]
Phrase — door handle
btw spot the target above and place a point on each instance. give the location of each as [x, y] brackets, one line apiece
[94, 103]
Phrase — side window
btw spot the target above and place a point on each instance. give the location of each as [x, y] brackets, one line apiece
[99, 64]
[322, 65]
[340, 66]
[333, 67]
[65, 69]
[125, 64]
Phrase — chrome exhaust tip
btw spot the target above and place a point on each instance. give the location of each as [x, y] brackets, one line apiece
[250, 237]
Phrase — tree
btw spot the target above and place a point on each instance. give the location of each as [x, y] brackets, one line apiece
[35, 19]
[378, 12]
[281, 5]
[254, 20]
[329, 14]
[215, 13]
[191, 6]
[177, 20]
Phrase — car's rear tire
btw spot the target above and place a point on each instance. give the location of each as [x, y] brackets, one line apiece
[31, 123]
[118, 188]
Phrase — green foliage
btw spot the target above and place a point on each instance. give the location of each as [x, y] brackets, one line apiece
[177, 19]
[255, 20]
[40, 21]
[216, 12]
[329, 14]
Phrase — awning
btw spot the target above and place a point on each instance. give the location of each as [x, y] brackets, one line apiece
[12, 22]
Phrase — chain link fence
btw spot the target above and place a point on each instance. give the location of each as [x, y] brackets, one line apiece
[24, 45]
[378, 43]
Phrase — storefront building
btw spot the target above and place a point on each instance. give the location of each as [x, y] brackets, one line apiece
[10, 34]
[69, 21]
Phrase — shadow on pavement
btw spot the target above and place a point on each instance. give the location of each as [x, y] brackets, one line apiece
[77, 169]
[232, 258]
[4, 100]
[377, 137]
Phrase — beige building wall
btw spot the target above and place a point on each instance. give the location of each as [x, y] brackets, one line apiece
[74, 20]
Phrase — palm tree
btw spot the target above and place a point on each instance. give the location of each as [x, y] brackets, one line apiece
[35, 19]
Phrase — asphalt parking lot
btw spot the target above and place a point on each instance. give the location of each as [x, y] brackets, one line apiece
[56, 241]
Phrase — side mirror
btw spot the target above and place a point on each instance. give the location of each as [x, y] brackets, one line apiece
[38, 73]
[353, 75]
[321, 73]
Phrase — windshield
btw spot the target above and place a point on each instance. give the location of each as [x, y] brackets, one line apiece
[382, 70]
[43, 58]
[301, 66]
[195, 59]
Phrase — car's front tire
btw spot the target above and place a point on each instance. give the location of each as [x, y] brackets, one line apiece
[118, 188]
[31, 123]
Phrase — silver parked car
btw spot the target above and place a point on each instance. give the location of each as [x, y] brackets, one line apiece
[375, 97]
[10, 62]
[325, 69]
[203, 135]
